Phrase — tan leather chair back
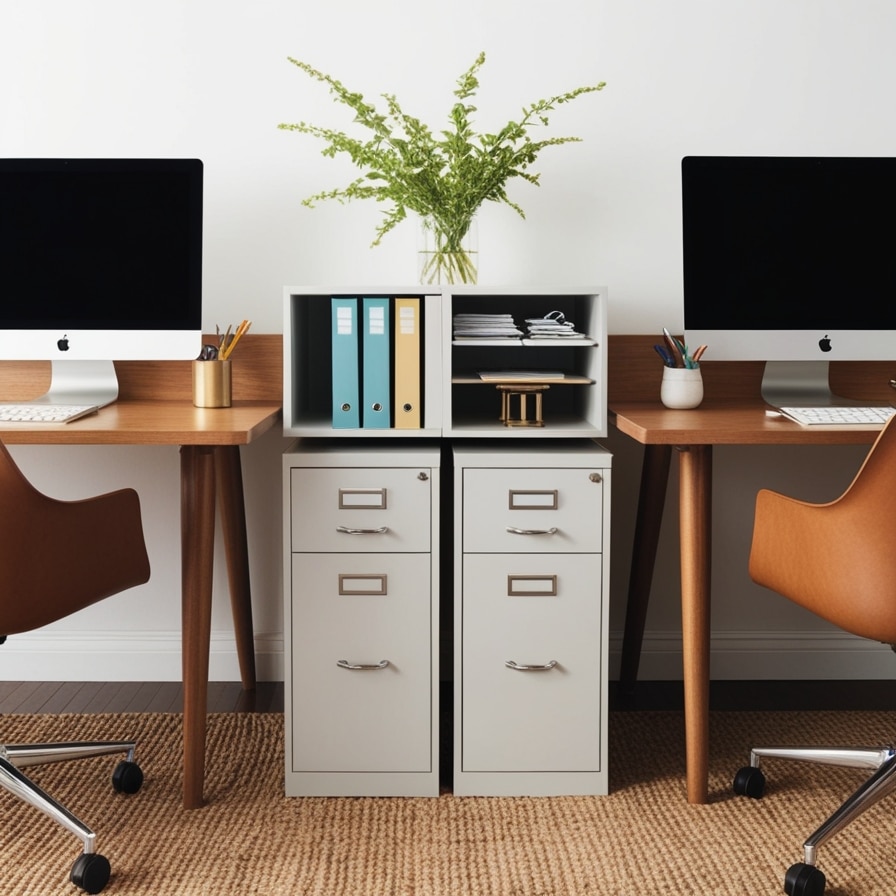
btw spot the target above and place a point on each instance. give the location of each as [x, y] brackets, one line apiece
[57, 557]
[836, 559]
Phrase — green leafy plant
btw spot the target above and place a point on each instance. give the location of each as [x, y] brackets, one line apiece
[445, 177]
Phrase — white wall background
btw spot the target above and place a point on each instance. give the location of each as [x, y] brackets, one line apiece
[210, 79]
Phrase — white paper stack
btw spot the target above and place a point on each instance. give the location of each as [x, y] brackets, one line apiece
[552, 326]
[485, 326]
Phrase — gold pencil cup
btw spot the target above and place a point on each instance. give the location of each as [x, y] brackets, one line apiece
[211, 384]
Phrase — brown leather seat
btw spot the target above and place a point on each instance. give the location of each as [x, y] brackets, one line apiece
[58, 557]
[838, 560]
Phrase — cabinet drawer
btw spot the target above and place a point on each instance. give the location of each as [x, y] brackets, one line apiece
[364, 610]
[353, 510]
[546, 717]
[526, 510]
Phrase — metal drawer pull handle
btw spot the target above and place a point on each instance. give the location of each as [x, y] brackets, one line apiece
[520, 667]
[382, 530]
[514, 531]
[362, 667]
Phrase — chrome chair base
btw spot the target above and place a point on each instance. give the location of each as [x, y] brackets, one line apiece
[803, 879]
[91, 871]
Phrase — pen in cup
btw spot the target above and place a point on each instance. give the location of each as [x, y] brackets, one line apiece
[667, 360]
[675, 349]
[222, 343]
[212, 381]
[228, 347]
[675, 353]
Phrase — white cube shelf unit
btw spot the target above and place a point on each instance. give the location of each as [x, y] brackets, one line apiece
[456, 401]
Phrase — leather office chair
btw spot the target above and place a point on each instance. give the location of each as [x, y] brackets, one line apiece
[837, 560]
[57, 557]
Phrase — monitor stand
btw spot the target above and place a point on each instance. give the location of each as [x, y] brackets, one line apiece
[802, 384]
[81, 382]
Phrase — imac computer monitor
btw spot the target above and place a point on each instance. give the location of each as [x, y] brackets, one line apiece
[790, 261]
[100, 261]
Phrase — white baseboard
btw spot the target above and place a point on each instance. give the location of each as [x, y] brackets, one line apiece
[745, 656]
[135, 656]
[127, 656]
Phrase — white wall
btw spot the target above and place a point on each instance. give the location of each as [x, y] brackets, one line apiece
[210, 78]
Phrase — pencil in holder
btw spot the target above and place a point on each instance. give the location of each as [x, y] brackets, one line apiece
[211, 384]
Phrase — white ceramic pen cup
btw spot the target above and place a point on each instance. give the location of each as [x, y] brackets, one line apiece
[682, 387]
[211, 384]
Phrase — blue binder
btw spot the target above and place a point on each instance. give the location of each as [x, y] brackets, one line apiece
[346, 382]
[376, 386]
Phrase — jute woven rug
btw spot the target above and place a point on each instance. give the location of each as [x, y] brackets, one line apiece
[641, 839]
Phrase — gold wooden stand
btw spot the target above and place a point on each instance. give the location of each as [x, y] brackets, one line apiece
[509, 392]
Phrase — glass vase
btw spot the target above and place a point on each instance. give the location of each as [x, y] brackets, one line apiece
[447, 254]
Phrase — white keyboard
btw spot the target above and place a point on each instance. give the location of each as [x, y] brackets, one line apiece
[837, 416]
[44, 413]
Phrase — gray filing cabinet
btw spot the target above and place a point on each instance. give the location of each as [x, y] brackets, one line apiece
[361, 533]
[530, 624]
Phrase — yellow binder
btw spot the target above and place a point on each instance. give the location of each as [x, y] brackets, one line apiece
[407, 344]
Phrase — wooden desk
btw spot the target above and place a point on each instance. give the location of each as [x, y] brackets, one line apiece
[155, 408]
[732, 414]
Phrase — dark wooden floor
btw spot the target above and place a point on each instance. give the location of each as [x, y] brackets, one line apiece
[132, 696]
[761, 695]
[92, 697]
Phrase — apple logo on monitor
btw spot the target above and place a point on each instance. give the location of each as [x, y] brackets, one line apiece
[825, 343]
[62, 344]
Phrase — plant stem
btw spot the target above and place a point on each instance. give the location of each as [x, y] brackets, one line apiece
[448, 260]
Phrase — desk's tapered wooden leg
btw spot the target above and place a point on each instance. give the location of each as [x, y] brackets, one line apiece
[695, 466]
[231, 506]
[197, 561]
[651, 501]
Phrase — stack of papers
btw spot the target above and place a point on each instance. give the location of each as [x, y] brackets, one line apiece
[485, 326]
[556, 327]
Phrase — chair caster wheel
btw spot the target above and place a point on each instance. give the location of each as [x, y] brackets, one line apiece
[749, 781]
[127, 777]
[804, 880]
[91, 872]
